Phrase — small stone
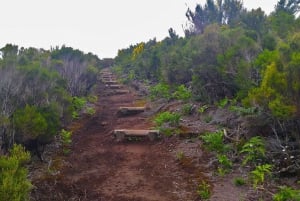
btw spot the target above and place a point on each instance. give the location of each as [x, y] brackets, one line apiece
[104, 123]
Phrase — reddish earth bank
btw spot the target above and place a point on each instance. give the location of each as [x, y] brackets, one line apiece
[101, 169]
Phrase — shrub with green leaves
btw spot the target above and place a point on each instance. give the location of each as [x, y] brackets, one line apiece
[239, 181]
[259, 174]
[92, 99]
[14, 185]
[202, 109]
[203, 190]
[214, 141]
[224, 161]
[222, 103]
[160, 91]
[182, 93]
[187, 109]
[254, 149]
[167, 123]
[66, 137]
[77, 104]
[287, 194]
[30, 122]
[167, 117]
[243, 110]
[90, 111]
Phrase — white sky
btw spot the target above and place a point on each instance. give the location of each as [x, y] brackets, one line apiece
[98, 26]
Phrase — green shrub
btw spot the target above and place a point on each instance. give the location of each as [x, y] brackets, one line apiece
[243, 110]
[214, 141]
[202, 109]
[30, 122]
[258, 175]
[180, 155]
[160, 91]
[203, 190]
[224, 161]
[287, 194]
[182, 93]
[92, 99]
[222, 103]
[187, 109]
[225, 164]
[14, 185]
[90, 111]
[167, 117]
[239, 181]
[208, 119]
[78, 103]
[167, 123]
[254, 150]
[66, 137]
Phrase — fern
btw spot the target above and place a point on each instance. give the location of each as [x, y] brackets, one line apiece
[258, 175]
[254, 150]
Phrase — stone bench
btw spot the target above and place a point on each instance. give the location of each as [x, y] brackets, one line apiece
[121, 134]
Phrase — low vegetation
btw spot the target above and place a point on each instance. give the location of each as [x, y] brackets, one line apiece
[230, 59]
[15, 185]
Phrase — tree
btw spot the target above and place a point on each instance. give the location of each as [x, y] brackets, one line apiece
[288, 6]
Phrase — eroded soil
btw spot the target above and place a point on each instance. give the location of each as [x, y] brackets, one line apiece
[99, 168]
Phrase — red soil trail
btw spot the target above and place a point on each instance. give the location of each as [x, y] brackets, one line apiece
[101, 169]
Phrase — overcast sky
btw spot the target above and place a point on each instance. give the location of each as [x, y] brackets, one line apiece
[98, 26]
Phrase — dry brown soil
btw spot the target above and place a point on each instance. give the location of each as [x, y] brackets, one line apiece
[99, 168]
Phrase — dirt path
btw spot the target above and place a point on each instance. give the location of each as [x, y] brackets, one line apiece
[101, 169]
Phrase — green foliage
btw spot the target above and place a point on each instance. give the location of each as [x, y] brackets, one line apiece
[180, 155]
[243, 110]
[77, 105]
[224, 161]
[202, 109]
[160, 91]
[222, 103]
[187, 109]
[208, 118]
[287, 194]
[92, 99]
[167, 123]
[259, 174]
[254, 150]
[182, 93]
[30, 122]
[66, 137]
[225, 164]
[214, 141]
[90, 111]
[14, 185]
[239, 181]
[204, 191]
[167, 117]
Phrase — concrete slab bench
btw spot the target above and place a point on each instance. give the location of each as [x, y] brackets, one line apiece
[118, 92]
[109, 82]
[126, 111]
[115, 86]
[122, 134]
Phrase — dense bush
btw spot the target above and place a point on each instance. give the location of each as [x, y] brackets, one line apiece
[14, 185]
